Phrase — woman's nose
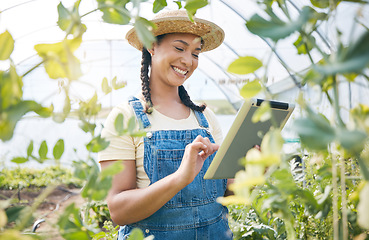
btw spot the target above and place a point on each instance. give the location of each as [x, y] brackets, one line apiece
[187, 59]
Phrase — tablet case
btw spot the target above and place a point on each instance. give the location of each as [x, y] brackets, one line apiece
[243, 135]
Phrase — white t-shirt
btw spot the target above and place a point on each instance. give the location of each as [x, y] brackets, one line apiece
[132, 148]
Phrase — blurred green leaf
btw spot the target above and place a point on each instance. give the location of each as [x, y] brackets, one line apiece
[159, 5]
[245, 65]
[97, 144]
[87, 127]
[315, 131]
[71, 224]
[90, 108]
[114, 11]
[14, 213]
[111, 170]
[304, 45]
[105, 86]
[263, 113]
[250, 89]
[30, 148]
[351, 59]
[59, 60]
[118, 124]
[193, 5]
[42, 151]
[136, 234]
[12, 115]
[58, 149]
[70, 20]
[143, 27]
[351, 140]
[131, 124]
[10, 88]
[276, 29]
[7, 45]
[19, 160]
[117, 85]
[179, 4]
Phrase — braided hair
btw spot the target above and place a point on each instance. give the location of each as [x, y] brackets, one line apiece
[183, 95]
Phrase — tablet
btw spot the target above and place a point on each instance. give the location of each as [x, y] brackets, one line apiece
[243, 135]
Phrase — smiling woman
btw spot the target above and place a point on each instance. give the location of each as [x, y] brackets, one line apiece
[161, 189]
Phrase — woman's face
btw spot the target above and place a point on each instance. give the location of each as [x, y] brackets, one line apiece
[175, 58]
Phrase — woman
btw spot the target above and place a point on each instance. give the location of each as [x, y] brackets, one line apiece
[161, 189]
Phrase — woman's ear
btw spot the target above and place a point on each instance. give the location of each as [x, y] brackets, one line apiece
[151, 51]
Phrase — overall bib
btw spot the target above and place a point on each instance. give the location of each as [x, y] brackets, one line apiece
[192, 213]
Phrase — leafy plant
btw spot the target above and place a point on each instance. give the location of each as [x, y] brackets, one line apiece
[321, 205]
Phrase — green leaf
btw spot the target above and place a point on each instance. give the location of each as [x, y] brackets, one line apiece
[30, 149]
[131, 124]
[7, 45]
[352, 59]
[58, 149]
[12, 115]
[10, 88]
[136, 234]
[179, 4]
[59, 61]
[19, 160]
[118, 124]
[111, 170]
[352, 140]
[245, 65]
[143, 27]
[114, 11]
[250, 89]
[15, 213]
[97, 144]
[42, 151]
[276, 29]
[71, 224]
[321, 3]
[45, 111]
[87, 127]
[263, 113]
[90, 108]
[70, 21]
[315, 131]
[159, 5]
[105, 86]
[304, 45]
[192, 6]
[118, 85]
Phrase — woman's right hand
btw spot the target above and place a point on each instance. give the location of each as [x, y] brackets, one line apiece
[193, 159]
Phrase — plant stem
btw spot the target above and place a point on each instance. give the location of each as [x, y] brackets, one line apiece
[336, 102]
[335, 199]
[33, 68]
[344, 201]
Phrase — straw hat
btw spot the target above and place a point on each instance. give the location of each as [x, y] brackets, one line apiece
[177, 21]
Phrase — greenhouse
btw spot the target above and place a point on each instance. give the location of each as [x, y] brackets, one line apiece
[65, 66]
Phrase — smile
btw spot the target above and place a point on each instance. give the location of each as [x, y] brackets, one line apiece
[180, 71]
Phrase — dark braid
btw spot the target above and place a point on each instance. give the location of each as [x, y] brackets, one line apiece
[145, 64]
[186, 100]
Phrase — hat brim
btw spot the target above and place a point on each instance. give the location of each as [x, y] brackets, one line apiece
[211, 34]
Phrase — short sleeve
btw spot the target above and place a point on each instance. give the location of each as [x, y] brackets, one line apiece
[214, 125]
[120, 147]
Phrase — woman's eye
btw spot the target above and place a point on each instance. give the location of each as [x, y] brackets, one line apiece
[195, 55]
[179, 49]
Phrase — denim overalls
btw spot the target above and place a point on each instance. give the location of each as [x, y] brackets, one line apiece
[192, 213]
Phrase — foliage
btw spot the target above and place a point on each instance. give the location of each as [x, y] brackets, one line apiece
[318, 202]
[19, 178]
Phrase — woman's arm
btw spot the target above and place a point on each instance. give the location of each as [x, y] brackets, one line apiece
[127, 204]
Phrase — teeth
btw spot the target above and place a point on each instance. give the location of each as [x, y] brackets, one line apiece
[179, 70]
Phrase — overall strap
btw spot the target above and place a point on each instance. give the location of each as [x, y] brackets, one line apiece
[201, 119]
[139, 111]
